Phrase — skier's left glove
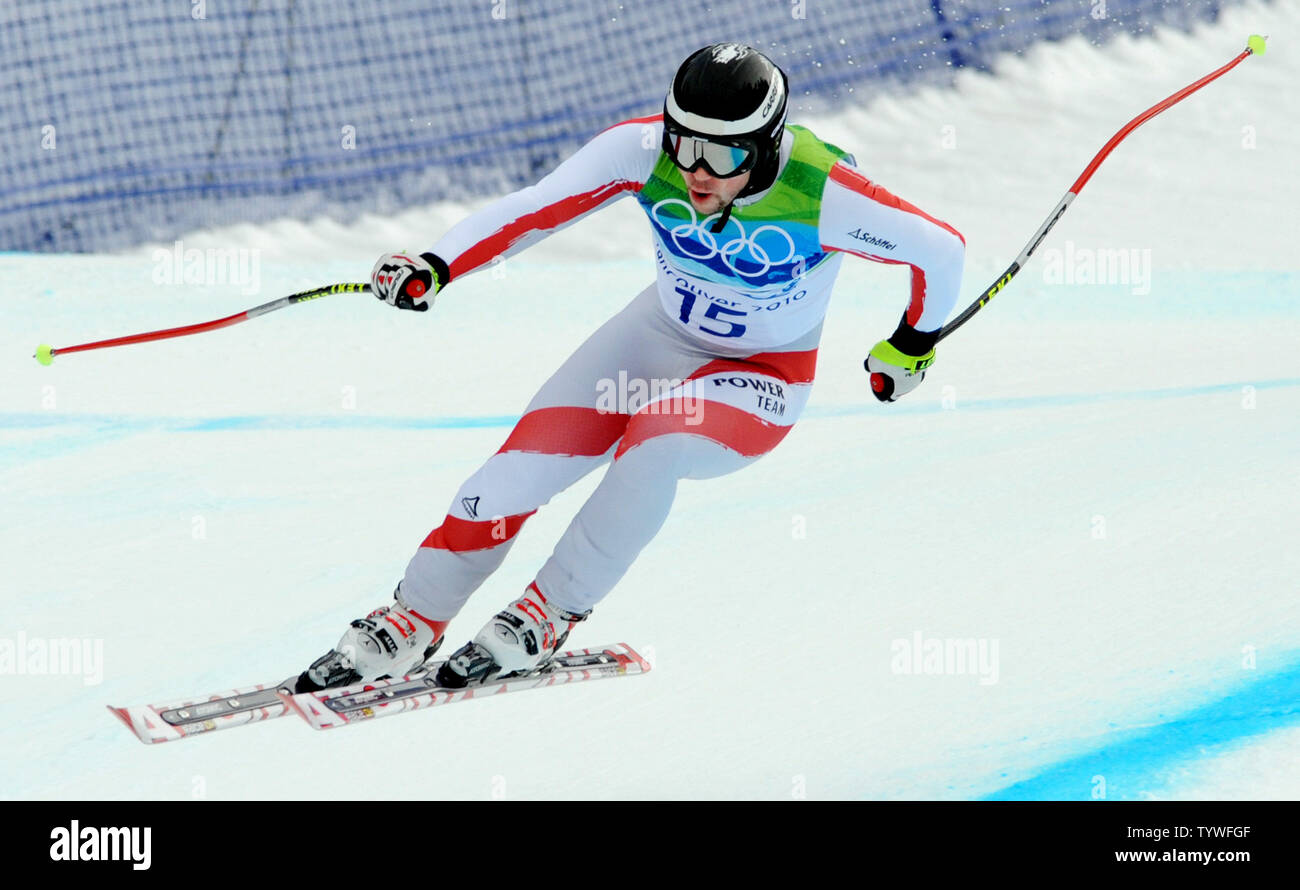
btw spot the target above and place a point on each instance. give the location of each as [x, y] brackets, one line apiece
[408, 281]
[897, 365]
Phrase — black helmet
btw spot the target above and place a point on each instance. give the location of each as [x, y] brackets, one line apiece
[727, 96]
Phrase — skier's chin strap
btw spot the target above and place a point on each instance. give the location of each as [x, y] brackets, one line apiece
[718, 226]
[759, 181]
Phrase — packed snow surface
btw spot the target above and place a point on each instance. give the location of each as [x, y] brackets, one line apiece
[1094, 490]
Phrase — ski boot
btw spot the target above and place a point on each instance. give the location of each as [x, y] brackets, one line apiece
[391, 641]
[519, 640]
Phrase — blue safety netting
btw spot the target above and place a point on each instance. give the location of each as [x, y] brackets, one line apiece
[134, 120]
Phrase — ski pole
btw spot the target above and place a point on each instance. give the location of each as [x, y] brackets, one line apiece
[45, 353]
[1255, 46]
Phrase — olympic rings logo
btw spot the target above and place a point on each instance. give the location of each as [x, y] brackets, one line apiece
[697, 234]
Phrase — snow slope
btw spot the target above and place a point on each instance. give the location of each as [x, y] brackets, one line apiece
[1097, 482]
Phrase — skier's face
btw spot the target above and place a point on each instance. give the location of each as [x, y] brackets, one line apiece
[709, 194]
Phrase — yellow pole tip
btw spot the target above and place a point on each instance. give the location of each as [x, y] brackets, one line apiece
[1256, 44]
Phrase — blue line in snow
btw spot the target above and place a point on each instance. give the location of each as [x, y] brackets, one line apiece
[108, 423]
[1132, 766]
[119, 424]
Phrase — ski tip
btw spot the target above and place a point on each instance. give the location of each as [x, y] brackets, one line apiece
[305, 705]
[286, 698]
[125, 717]
[630, 657]
[291, 703]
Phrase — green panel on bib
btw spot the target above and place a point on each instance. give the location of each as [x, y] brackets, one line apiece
[769, 243]
[795, 196]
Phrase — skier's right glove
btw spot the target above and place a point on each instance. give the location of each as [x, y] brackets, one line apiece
[408, 281]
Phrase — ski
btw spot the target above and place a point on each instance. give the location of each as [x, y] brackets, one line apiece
[332, 708]
[153, 724]
[174, 720]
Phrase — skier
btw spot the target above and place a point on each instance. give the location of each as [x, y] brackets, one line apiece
[750, 219]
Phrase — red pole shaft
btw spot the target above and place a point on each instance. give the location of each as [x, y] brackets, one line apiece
[997, 286]
[186, 330]
[1147, 115]
[156, 335]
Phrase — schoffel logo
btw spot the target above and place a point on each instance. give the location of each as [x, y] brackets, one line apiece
[868, 238]
[696, 232]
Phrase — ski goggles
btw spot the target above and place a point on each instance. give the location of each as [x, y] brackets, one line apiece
[690, 151]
